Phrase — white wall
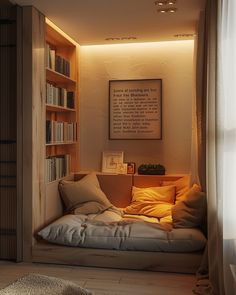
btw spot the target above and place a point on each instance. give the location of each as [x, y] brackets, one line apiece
[170, 61]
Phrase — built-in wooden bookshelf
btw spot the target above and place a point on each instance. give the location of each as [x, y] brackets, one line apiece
[61, 104]
[37, 191]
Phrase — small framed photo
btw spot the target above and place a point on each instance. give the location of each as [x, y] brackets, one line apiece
[111, 161]
[130, 168]
[121, 168]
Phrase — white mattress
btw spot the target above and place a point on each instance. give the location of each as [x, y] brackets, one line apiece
[111, 231]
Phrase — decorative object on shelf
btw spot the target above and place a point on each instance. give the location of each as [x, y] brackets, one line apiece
[121, 168]
[151, 169]
[130, 168]
[110, 161]
[135, 109]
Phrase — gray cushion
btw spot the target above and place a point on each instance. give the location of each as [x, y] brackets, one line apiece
[190, 212]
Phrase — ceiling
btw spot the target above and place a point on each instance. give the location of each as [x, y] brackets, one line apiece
[93, 21]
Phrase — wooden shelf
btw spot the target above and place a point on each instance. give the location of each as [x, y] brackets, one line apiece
[60, 143]
[57, 37]
[59, 78]
[56, 108]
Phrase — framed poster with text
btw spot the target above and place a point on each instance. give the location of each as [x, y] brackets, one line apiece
[135, 109]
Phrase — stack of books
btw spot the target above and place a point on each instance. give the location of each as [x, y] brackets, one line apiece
[59, 96]
[56, 62]
[60, 132]
[57, 167]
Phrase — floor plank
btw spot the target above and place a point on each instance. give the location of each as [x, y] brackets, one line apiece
[105, 281]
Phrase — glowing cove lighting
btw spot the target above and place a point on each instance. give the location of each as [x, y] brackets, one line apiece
[141, 45]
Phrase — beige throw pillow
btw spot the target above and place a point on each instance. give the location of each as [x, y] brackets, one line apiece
[84, 196]
[152, 201]
[191, 210]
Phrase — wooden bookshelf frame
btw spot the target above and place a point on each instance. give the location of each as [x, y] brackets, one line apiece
[56, 108]
[59, 78]
[37, 30]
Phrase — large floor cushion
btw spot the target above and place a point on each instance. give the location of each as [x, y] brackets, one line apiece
[79, 231]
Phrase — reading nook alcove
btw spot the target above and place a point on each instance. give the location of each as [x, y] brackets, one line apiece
[52, 118]
[70, 87]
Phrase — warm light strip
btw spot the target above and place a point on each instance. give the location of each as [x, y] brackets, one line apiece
[51, 24]
[161, 43]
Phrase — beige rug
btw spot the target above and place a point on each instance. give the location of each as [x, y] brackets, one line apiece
[35, 284]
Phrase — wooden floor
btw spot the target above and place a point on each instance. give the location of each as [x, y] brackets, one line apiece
[105, 281]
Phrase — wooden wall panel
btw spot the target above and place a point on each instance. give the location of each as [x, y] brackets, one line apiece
[33, 120]
[19, 151]
[8, 138]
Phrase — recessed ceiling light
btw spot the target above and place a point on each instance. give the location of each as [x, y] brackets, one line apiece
[160, 3]
[128, 38]
[171, 2]
[164, 10]
[184, 35]
[120, 38]
[164, 2]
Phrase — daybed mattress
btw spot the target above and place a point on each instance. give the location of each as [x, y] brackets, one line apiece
[111, 231]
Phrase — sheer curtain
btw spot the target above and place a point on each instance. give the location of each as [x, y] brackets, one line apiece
[221, 143]
[198, 152]
[213, 141]
[218, 89]
[226, 134]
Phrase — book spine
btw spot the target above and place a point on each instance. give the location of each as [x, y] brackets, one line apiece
[52, 59]
[70, 100]
[48, 55]
[48, 131]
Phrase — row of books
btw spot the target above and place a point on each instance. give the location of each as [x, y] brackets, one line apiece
[59, 96]
[56, 62]
[57, 167]
[60, 132]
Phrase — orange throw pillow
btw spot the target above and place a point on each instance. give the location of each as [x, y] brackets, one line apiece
[182, 186]
[152, 201]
